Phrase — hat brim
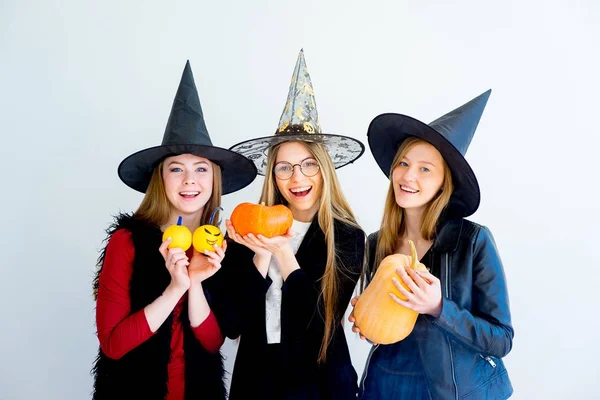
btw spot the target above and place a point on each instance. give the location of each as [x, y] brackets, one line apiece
[237, 171]
[388, 131]
[342, 149]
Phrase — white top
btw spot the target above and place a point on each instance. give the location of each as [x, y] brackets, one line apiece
[273, 298]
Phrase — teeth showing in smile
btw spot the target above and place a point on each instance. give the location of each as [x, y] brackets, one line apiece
[189, 193]
[300, 189]
[409, 190]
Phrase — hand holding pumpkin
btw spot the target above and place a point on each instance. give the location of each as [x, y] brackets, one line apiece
[203, 266]
[351, 318]
[245, 241]
[265, 230]
[176, 262]
[425, 295]
[384, 318]
[277, 245]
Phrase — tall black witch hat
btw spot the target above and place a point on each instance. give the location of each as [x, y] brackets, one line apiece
[186, 133]
[451, 134]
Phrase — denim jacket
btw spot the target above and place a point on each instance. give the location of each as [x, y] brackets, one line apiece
[461, 350]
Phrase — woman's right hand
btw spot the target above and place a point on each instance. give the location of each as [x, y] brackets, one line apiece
[176, 262]
[351, 318]
[260, 251]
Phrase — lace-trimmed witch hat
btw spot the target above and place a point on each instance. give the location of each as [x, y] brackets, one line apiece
[300, 122]
[450, 134]
[186, 133]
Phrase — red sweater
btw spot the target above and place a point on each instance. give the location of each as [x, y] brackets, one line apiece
[119, 331]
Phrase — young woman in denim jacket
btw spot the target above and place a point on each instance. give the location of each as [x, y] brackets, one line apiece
[464, 328]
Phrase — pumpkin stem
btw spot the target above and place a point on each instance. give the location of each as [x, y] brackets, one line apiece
[413, 253]
[212, 216]
[179, 220]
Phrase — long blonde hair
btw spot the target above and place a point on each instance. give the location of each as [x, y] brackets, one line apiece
[156, 208]
[392, 222]
[332, 206]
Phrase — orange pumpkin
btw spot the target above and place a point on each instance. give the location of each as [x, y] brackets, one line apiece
[268, 221]
[379, 318]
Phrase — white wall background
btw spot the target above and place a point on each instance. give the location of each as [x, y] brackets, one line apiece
[84, 84]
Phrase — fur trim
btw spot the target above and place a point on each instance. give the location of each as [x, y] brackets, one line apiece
[142, 373]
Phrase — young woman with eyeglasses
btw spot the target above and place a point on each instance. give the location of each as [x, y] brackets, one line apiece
[285, 297]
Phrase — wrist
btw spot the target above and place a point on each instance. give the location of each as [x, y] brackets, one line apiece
[262, 258]
[175, 290]
[261, 262]
[287, 264]
[283, 252]
[437, 311]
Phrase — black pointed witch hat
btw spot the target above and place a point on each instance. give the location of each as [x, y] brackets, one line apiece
[186, 133]
[451, 134]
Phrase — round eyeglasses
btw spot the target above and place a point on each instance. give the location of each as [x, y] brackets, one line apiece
[284, 170]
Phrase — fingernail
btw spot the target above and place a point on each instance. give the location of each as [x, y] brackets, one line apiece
[394, 280]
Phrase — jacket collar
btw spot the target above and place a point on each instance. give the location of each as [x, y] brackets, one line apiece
[448, 235]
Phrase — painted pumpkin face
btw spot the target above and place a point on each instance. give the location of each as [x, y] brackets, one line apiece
[206, 236]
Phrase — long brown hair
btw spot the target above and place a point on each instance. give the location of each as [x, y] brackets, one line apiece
[332, 206]
[392, 222]
[156, 208]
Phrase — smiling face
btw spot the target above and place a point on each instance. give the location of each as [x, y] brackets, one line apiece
[188, 182]
[206, 236]
[301, 192]
[212, 234]
[418, 176]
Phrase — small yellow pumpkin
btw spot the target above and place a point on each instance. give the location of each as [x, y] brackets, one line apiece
[379, 318]
[207, 235]
[180, 235]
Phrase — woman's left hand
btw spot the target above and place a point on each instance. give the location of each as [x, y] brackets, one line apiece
[203, 266]
[425, 295]
[277, 245]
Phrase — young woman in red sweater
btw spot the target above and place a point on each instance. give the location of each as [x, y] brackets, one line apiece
[158, 336]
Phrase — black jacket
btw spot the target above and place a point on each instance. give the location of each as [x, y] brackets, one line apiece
[461, 350]
[239, 290]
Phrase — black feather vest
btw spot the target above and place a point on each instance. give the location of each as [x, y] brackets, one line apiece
[142, 373]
